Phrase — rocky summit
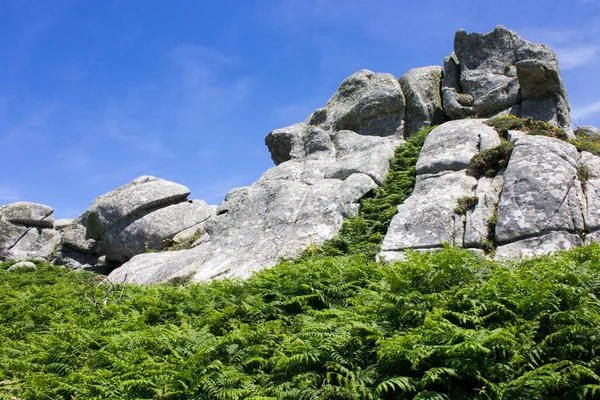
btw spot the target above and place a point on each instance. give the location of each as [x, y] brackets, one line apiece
[502, 173]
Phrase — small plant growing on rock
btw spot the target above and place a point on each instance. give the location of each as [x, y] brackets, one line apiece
[506, 123]
[465, 204]
[583, 174]
[465, 99]
[490, 161]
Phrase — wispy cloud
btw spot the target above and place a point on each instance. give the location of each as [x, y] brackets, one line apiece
[572, 57]
[586, 111]
[574, 47]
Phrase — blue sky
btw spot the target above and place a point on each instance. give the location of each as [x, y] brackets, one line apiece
[96, 93]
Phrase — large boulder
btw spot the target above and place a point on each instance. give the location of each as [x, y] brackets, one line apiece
[367, 103]
[499, 72]
[423, 95]
[143, 193]
[26, 231]
[148, 231]
[541, 192]
[591, 164]
[428, 218]
[28, 214]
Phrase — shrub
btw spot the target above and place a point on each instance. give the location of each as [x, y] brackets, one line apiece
[534, 127]
[465, 204]
[583, 174]
[586, 143]
[489, 162]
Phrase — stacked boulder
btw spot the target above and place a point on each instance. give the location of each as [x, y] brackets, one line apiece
[499, 72]
[144, 215]
[27, 231]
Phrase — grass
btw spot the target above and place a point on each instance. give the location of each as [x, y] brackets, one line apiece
[533, 127]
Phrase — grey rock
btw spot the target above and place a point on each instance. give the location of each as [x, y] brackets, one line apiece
[74, 236]
[143, 193]
[539, 245]
[450, 146]
[499, 73]
[150, 230]
[298, 204]
[187, 234]
[540, 80]
[423, 95]
[10, 234]
[63, 223]
[588, 130]
[541, 192]
[427, 218]
[75, 260]
[35, 242]
[478, 220]
[286, 143]
[514, 135]
[592, 191]
[28, 214]
[23, 266]
[368, 103]
[593, 237]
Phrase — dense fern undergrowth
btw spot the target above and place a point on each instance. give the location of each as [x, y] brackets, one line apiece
[333, 324]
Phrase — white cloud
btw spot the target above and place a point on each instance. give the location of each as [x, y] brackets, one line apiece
[571, 57]
[586, 111]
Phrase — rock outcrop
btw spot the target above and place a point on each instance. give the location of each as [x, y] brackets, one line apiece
[427, 219]
[546, 198]
[499, 72]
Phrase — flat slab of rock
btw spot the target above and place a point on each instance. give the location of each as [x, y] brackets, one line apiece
[145, 192]
[541, 192]
[539, 245]
[28, 214]
[450, 146]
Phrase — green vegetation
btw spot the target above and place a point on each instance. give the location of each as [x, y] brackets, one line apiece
[465, 204]
[586, 143]
[533, 127]
[489, 162]
[364, 233]
[444, 325]
[583, 175]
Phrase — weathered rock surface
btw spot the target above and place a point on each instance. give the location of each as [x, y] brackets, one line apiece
[143, 193]
[26, 231]
[477, 228]
[74, 236]
[427, 219]
[538, 245]
[28, 214]
[150, 230]
[323, 169]
[423, 95]
[592, 191]
[63, 223]
[451, 146]
[499, 72]
[34, 243]
[541, 192]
